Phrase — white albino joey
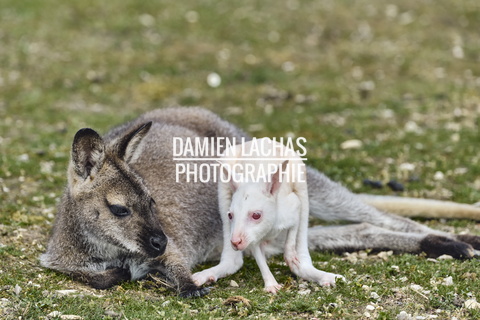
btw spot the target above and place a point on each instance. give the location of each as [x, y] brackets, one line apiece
[264, 217]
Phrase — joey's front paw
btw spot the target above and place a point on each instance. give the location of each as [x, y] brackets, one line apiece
[273, 288]
[193, 292]
[205, 276]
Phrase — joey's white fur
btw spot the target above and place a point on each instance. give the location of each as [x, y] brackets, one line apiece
[265, 215]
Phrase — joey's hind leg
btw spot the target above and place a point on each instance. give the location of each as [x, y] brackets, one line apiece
[300, 263]
[303, 267]
[290, 252]
[308, 272]
[299, 259]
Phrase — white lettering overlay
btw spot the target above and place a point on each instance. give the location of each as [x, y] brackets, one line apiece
[214, 159]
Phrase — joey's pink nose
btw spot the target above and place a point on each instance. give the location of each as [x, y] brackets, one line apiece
[236, 242]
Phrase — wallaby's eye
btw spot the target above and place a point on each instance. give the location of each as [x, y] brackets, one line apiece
[119, 211]
[152, 204]
[230, 215]
[256, 215]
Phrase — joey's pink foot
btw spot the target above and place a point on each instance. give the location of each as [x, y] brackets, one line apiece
[273, 288]
[293, 263]
[329, 279]
[202, 277]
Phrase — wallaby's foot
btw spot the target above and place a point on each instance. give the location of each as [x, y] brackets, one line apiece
[273, 288]
[435, 246]
[205, 276]
[474, 241]
[192, 291]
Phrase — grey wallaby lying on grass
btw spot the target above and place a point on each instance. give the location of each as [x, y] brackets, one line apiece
[123, 214]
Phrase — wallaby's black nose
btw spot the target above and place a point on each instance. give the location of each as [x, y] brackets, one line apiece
[158, 243]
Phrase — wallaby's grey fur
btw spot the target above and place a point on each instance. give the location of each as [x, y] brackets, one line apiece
[124, 215]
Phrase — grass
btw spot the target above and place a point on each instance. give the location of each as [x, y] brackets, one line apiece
[401, 77]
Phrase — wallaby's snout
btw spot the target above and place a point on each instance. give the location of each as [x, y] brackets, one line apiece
[153, 239]
[158, 244]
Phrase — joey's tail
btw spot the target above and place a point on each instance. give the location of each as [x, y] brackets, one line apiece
[413, 207]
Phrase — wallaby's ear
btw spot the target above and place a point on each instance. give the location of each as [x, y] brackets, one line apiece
[128, 145]
[88, 153]
[274, 185]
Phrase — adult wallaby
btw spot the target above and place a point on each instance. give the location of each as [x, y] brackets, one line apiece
[123, 214]
[263, 201]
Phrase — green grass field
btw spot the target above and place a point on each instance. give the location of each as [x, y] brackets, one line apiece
[402, 77]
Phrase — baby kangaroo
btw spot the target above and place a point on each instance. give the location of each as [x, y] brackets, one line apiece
[263, 202]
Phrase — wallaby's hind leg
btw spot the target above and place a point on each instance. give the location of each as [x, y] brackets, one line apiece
[474, 241]
[330, 201]
[366, 236]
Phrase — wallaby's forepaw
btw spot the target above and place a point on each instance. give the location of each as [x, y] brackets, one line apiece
[273, 288]
[104, 279]
[205, 276]
[193, 292]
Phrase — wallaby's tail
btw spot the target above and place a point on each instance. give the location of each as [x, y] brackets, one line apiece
[413, 207]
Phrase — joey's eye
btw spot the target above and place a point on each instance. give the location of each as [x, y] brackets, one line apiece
[256, 215]
[230, 215]
[119, 211]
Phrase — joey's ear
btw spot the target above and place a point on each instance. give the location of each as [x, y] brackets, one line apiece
[274, 185]
[88, 153]
[128, 145]
[228, 175]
